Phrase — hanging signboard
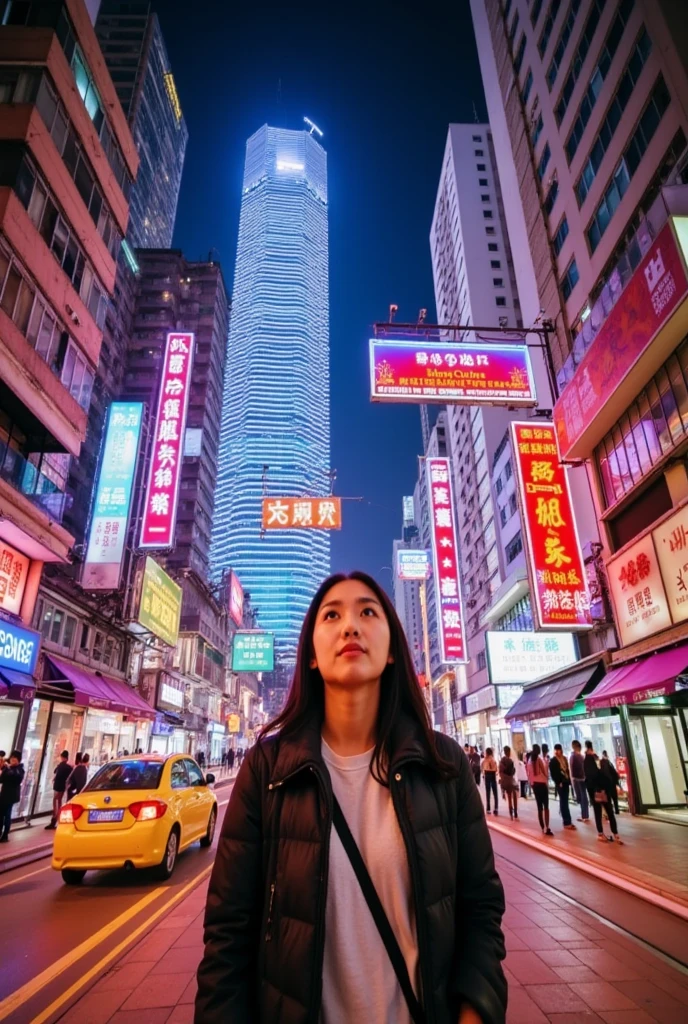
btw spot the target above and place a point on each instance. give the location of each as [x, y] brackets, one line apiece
[426, 371]
[110, 520]
[236, 599]
[18, 647]
[167, 450]
[253, 652]
[671, 544]
[161, 603]
[413, 565]
[302, 513]
[557, 574]
[14, 572]
[522, 656]
[445, 553]
[635, 584]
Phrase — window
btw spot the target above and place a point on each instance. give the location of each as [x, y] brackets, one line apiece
[514, 548]
[477, 138]
[514, 27]
[537, 128]
[481, 167]
[479, 152]
[640, 140]
[178, 777]
[544, 160]
[551, 197]
[502, 516]
[485, 198]
[482, 660]
[566, 31]
[535, 13]
[548, 26]
[498, 282]
[195, 774]
[609, 125]
[499, 485]
[569, 280]
[560, 237]
[513, 504]
[500, 300]
[487, 214]
[579, 56]
[508, 470]
[495, 264]
[482, 182]
[518, 59]
[492, 247]
[527, 86]
[489, 230]
[639, 55]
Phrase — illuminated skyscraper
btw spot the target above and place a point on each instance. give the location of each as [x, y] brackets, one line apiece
[275, 432]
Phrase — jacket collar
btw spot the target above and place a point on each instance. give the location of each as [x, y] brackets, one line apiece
[304, 749]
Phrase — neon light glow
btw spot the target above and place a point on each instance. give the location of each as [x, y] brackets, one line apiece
[287, 165]
[445, 553]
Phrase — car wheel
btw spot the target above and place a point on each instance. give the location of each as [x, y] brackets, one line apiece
[207, 839]
[169, 858]
[70, 876]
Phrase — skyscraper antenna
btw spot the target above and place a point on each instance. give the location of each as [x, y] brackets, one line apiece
[313, 127]
[475, 114]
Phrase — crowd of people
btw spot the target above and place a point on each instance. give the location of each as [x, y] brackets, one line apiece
[589, 780]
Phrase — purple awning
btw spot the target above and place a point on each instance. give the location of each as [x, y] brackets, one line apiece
[653, 676]
[16, 685]
[97, 691]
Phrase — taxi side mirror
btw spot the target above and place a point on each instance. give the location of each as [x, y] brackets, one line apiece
[209, 779]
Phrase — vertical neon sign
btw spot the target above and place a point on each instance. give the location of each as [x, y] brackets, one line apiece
[445, 552]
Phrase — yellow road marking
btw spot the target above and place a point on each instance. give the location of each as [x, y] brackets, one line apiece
[21, 879]
[46, 1014]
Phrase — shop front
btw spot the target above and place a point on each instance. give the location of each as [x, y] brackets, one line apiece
[216, 742]
[19, 649]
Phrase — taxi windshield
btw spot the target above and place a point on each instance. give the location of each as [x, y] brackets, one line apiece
[134, 774]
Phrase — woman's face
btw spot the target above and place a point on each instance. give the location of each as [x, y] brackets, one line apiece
[351, 637]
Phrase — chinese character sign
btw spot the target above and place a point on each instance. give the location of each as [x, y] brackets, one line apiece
[413, 565]
[110, 519]
[426, 371]
[445, 553]
[635, 583]
[14, 571]
[236, 599]
[161, 603]
[302, 513]
[18, 647]
[253, 652]
[157, 530]
[671, 544]
[557, 575]
[521, 657]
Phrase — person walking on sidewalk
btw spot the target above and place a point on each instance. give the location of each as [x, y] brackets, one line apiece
[230, 759]
[559, 770]
[79, 777]
[507, 780]
[538, 778]
[522, 775]
[474, 761]
[11, 778]
[62, 771]
[599, 795]
[239, 757]
[610, 773]
[577, 773]
[354, 816]
[489, 770]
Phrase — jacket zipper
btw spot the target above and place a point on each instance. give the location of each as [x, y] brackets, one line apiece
[268, 926]
[426, 987]
[324, 881]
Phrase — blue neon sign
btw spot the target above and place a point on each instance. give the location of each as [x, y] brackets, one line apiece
[18, 647]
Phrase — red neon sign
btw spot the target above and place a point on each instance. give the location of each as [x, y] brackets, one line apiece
[162, 492]
[445, 553]
[555, 565]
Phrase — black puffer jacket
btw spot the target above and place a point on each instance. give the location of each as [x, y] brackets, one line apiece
[265, 917]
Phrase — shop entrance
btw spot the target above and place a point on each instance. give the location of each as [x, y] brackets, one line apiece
[659, 742]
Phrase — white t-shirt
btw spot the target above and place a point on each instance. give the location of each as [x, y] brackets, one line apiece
[359, 983]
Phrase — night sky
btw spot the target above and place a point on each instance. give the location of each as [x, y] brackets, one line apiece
[383, 87]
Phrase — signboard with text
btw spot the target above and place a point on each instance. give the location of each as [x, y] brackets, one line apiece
[167, 450]
[521, 657]
[445, 552]
[657, 288]
[671, 544]
[18, 647]
[161, 603]
[110, 520]
[253, 652]
[14, 572]
[413, 565]
[427, 371]
[635, 584]
[557, 574]
[302, 513]
[236, 599]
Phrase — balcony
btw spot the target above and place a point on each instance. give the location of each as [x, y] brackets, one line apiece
[27, 478]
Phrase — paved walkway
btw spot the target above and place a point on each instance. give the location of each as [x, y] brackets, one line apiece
[563, 966]
[654, 854]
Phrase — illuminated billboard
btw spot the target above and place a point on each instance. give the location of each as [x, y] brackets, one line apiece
[302, 513]
[558, 580]
[445, 552]
[253, 652]
[523, 656]
[110, 520]
[162, 492]
[427, 371]
[14, 572]
[236, 599]
[161, 603]
[413, 565]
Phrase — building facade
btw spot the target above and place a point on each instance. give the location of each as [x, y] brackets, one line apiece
[588, 105]
[275, 436]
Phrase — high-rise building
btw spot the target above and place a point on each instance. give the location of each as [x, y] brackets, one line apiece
[406, 593]
[588, 105]
[275, 437]
[134, 49]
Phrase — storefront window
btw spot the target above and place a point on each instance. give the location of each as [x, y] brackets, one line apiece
[9, 717]
[102, 735]
[66, 724]
[33, 747]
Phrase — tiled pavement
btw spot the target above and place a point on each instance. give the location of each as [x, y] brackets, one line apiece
[563, 966]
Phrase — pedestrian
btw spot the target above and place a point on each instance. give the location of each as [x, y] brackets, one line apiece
[223, 760]
[373, 832]
[538, 777]
[474, 761]
[559, 771]
[488, 767]
[230, 759]
[599, 794]
[201, 759]
[79, 777]
[3, 759]
[507, 780]
[522, 775]
[239, 757]
[610, 773]
[63, 770]
[545, 755]
[577, 776]
[11, 778]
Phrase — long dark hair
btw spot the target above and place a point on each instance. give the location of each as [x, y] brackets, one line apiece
[400, 690]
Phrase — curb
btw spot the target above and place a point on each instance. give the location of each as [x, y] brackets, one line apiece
[650, 894]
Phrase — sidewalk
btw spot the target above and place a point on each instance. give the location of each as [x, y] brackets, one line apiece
[563, 967]
[30, 843]
[646, 842]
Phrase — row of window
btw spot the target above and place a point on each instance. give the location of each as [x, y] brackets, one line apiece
[38, 323]
[60, 628]
[509, 510]
[548, 26]
[652, 426]
[46, 217]
[569, 280]
[513, 548]
[598, 76]
[566, 31]
[561, 236]
[578, 60]
[519, 617]
[616, 108]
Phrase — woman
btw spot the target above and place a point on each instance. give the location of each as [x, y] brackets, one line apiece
[289, 936]
[612, 778]
[559, 770]
[507, 780]
[489, 769]
[538, 777]
[522, 775]
[599, 788]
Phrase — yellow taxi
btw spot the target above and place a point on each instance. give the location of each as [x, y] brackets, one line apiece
[136, 812]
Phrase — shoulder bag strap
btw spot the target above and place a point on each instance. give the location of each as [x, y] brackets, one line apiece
[378, 911]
